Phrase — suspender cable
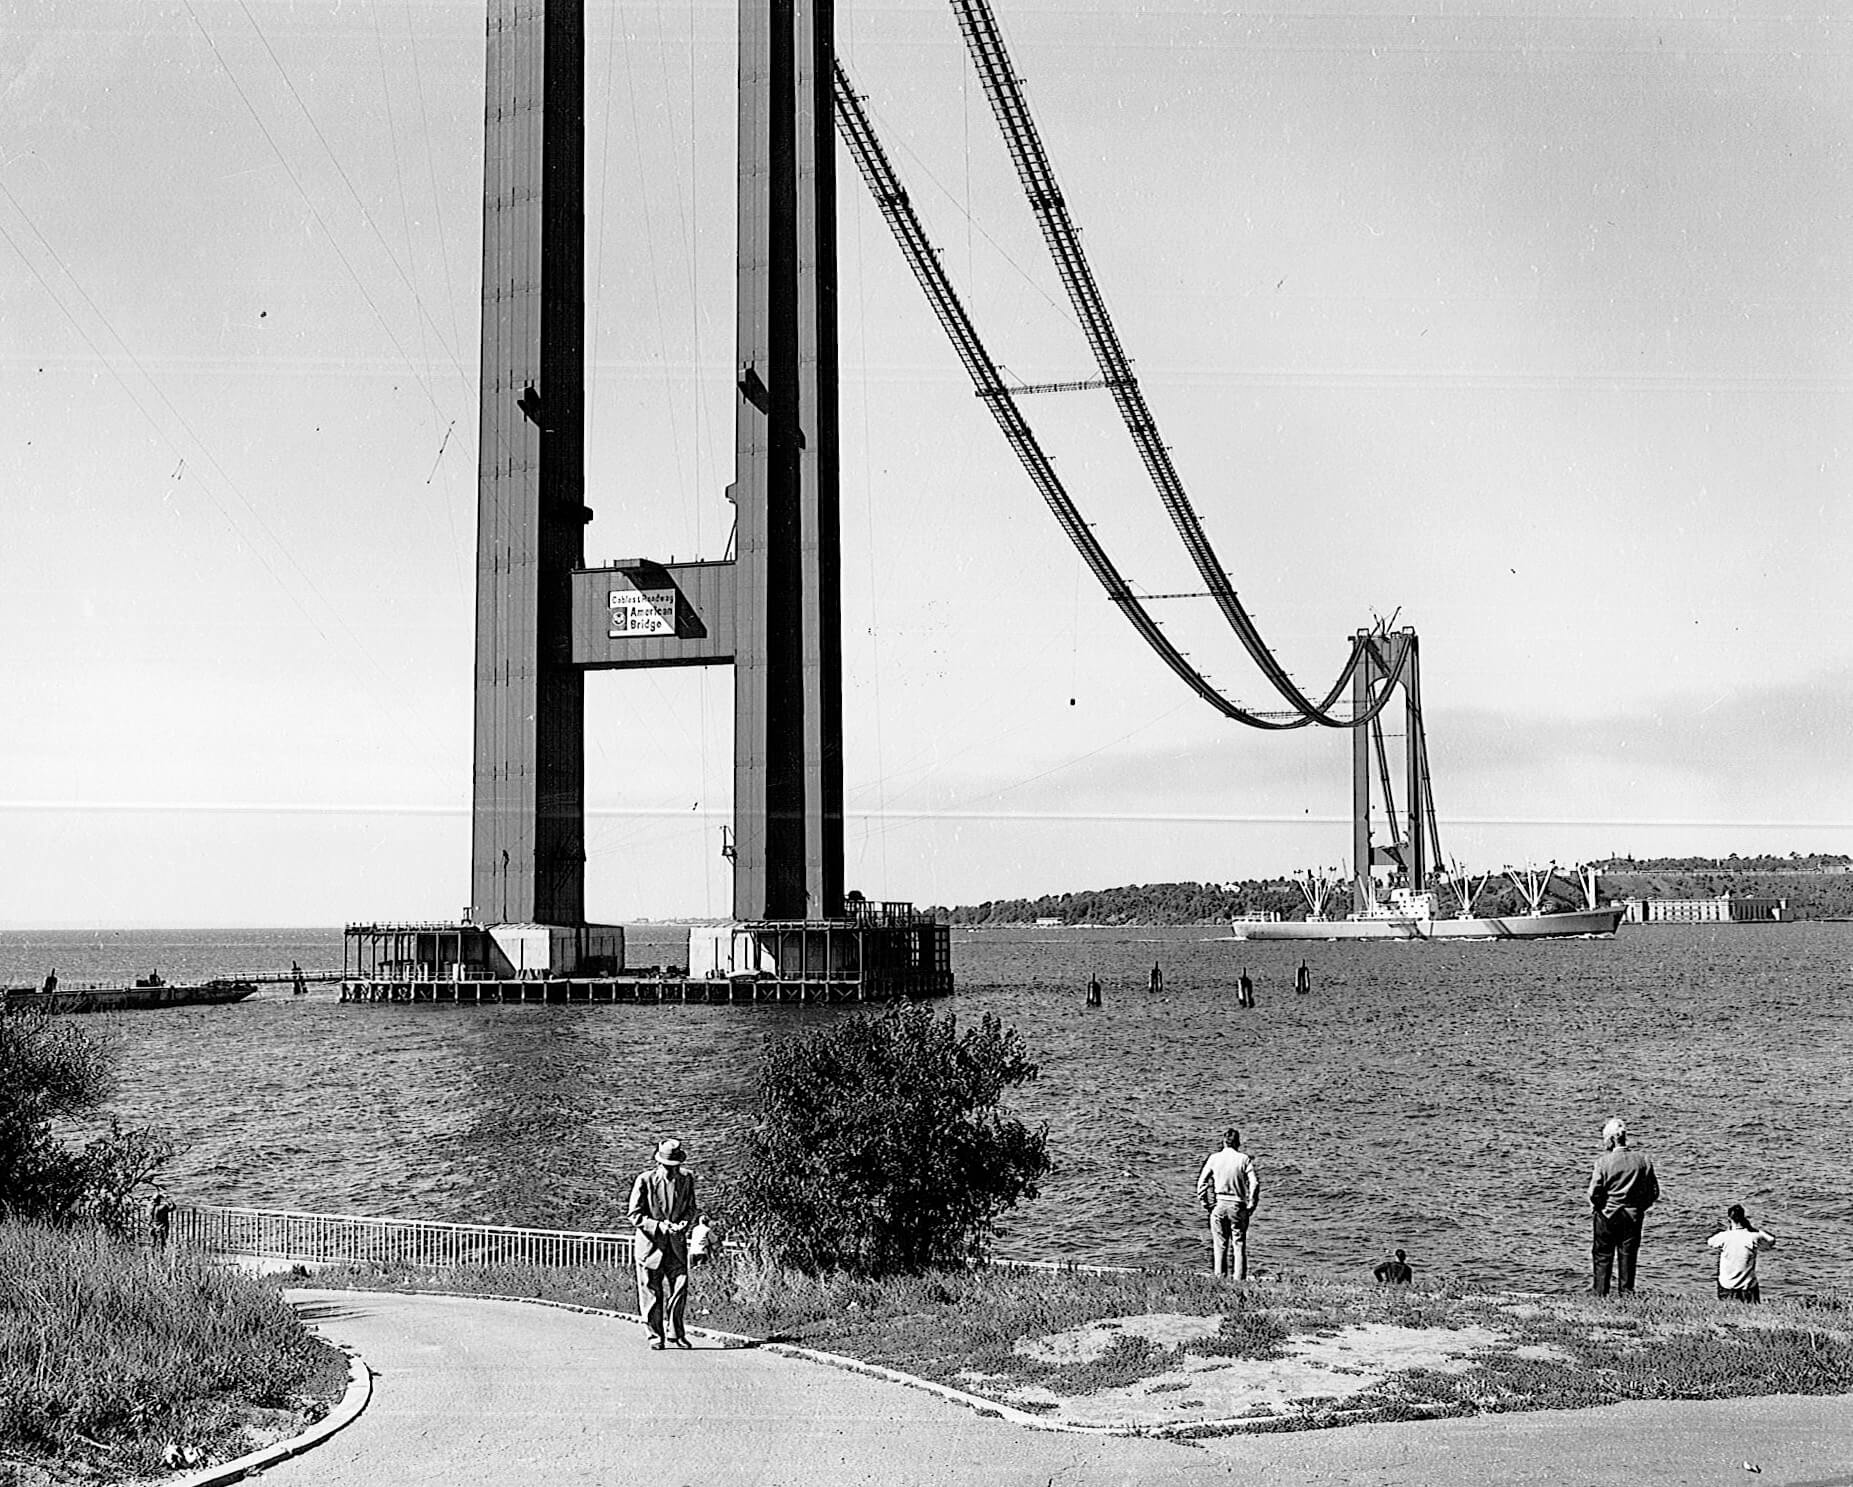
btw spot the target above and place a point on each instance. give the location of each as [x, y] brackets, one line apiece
[897, 210]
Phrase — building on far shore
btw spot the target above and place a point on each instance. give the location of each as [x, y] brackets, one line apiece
[1724, 909]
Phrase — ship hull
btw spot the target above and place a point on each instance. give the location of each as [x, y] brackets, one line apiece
[1500, 927]
[127, 998]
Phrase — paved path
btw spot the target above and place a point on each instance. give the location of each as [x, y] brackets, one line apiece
[494, 1393]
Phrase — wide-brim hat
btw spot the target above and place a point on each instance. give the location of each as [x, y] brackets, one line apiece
[670, 1154]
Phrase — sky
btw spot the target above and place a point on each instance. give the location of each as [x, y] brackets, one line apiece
[1527, 325]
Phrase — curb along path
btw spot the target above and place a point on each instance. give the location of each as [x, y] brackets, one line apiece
[347, 1409]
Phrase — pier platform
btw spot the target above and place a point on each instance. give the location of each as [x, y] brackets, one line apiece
[647, 990]
[876, 952]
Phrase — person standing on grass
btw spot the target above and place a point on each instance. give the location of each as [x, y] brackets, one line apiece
[1230, 1190]
[1737, 1245]
[161, 1218]
[1621, 1190]
[662, 1207]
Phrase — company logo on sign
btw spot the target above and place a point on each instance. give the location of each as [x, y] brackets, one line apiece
[642, 612]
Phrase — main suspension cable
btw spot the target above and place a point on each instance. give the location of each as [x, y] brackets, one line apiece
[923, 259]
[1002, 87]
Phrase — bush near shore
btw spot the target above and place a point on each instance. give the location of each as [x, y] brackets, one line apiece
[118, 1361]
[963, 1327]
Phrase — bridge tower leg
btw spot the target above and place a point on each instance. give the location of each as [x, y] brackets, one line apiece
[527, 858]
[1363, 689]
[788, 705]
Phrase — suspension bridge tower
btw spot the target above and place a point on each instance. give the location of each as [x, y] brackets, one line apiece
[773, 612]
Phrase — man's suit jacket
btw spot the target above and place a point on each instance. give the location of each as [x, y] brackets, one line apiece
[660, 1196]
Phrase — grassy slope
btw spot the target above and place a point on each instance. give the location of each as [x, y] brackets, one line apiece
[116, 1361]
[1558, 1351]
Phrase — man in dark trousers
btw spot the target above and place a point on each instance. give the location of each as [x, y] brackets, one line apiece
[663, 1209]
[1621, 1190]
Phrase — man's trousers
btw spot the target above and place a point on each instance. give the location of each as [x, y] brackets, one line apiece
[662, 1297]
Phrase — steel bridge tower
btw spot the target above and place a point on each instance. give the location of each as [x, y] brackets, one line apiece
[1387, 658]
[543, 618]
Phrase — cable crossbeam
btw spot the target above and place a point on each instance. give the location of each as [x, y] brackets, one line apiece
[1024, 389]
[897, 210]
[984, 42]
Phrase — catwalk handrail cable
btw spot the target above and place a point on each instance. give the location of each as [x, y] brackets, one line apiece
[896, 207]
[984, 42]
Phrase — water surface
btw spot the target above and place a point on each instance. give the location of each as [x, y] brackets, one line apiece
[1441, 1098]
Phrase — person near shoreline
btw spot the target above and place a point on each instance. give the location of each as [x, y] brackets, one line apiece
[51, 981]
[1156, 982]
[1621, 1190]
[161, 1218]
[662, 1208]
[1394, 1272]
[1737, 1245]
[1230, 1190]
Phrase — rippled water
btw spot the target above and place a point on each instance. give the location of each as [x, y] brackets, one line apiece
[1441, 1098]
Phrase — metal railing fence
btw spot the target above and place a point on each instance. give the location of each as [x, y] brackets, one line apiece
[280, 1234]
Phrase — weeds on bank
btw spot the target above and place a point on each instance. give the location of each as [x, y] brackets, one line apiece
[963, 1327]
[118, 1361]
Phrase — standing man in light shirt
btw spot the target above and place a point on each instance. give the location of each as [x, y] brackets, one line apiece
[1230, 1191]
[1621, 1190]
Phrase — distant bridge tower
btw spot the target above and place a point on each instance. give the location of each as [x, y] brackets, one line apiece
[1415, 847]
[543, 618]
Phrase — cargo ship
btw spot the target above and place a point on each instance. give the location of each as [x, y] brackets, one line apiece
[147, 992]
[1416, 914]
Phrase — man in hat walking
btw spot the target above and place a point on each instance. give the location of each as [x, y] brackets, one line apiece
[663, 1209]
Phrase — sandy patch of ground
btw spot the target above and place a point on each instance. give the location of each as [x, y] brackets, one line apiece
[1167, 1329]
[1331, 1367]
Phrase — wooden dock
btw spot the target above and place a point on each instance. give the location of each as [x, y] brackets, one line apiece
[649, 990]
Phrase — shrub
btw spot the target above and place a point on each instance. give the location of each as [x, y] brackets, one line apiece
[883, 1144]
[48, 1071]
[51, 1070]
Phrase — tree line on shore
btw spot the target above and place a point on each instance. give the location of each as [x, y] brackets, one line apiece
[1817, 887]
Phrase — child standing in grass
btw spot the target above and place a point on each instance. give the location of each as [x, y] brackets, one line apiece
[1737, 1248]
